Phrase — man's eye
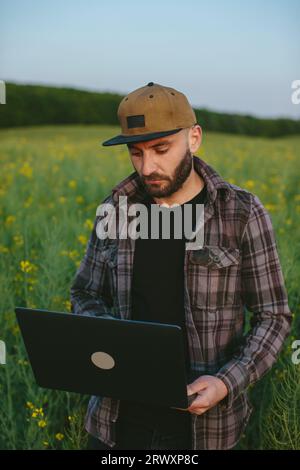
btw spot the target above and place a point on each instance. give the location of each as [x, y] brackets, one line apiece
[159, 151]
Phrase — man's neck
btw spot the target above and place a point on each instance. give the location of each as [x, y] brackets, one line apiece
[191, 187]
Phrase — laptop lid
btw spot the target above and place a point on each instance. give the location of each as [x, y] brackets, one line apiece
[123, 359]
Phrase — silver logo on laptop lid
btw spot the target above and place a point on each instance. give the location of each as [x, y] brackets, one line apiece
[102, 360]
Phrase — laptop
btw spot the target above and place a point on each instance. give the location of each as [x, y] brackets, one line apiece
[124, 359]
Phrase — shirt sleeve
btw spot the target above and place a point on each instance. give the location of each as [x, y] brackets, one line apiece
[265, 297]
[88, 292]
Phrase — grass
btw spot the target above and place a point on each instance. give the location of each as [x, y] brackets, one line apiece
[52, 180]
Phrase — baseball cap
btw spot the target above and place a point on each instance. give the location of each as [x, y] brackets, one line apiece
[150, 112]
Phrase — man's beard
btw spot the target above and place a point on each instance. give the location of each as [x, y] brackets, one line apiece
[171, 184]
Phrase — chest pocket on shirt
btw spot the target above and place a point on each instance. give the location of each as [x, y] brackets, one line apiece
[214, 277]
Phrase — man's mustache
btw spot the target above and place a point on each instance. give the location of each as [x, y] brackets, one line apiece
[152, 178]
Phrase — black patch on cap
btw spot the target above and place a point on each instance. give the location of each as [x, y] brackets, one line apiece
[136, 121]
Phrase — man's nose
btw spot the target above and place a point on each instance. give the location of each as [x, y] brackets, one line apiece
[148, 166]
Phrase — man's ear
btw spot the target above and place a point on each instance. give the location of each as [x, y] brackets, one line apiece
[196, 139]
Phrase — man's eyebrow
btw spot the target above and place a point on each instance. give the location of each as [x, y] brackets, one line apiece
[159, 144]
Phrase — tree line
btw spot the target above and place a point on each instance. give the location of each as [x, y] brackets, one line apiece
[31, 105]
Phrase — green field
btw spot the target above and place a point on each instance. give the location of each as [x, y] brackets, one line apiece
[52, 180]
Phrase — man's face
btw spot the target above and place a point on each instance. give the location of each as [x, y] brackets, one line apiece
[163, 164]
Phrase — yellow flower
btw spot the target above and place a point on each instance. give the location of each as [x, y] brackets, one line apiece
[42, 423]
[249, 184]
[270, 207]
[22, 362]
[59, 436]
[79, 199]
[18, 239]
[26, 266]
[67, 305]
[82, 239]
[10, 219]
[46, 443]
[26, 170]
[72, 418]
[29, 405]
[72, 184]
[62, 199]
[73, 254]
[36, 411]
[89, 224]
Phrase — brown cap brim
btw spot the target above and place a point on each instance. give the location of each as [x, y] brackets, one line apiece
[126, 139]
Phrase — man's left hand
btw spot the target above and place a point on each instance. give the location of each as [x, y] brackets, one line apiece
[210, 391]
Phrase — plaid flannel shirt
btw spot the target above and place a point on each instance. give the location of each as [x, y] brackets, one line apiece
[236, 270]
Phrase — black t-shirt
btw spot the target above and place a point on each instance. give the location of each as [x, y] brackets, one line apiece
[158, 295]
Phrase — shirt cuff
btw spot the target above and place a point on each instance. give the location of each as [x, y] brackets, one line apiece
[236, 378]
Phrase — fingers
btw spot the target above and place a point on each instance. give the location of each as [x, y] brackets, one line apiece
[198, 411]
[201, 401]
[196, 386]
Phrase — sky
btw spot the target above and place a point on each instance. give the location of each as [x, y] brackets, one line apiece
[228, 56]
